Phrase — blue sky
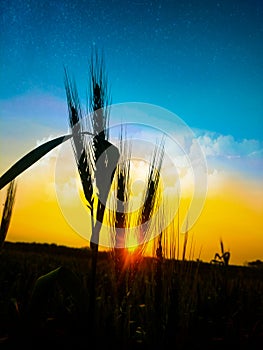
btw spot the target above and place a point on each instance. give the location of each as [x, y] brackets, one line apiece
[202, 60]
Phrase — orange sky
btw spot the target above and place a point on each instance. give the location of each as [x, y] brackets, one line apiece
[233, 211]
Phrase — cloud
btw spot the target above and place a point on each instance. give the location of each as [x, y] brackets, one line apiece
[227, 155]
[227, 146]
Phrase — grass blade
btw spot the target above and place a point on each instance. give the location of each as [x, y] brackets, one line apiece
[7, 211]
[30, 158]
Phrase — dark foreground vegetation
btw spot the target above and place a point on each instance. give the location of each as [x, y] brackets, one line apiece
[150, 304]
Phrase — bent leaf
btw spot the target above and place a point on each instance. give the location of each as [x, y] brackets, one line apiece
[31, 158]
[45, 286]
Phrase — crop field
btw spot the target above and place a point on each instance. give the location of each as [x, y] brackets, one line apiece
[151, 303]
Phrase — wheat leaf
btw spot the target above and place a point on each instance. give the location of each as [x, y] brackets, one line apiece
[30, 158]
[45, 284]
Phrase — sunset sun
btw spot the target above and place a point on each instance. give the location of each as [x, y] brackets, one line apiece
[132, 243]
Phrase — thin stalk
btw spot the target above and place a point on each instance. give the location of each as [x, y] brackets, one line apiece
[150, 197]
[7, 211]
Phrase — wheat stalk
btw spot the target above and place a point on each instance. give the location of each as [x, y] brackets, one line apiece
[7, 211]
[96, 158]
[150, 197]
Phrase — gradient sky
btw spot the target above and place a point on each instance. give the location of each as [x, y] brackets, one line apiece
[201, 60]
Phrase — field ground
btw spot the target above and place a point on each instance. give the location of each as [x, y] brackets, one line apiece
[151, 304]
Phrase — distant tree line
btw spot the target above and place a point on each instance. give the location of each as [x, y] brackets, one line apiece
[255, 263]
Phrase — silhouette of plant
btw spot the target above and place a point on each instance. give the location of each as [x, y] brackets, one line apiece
[96, 158]
[222, 259]
[7, 211]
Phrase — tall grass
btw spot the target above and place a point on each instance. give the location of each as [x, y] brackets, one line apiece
[7, 211]
[199, 309]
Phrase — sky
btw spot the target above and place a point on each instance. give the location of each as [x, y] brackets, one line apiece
[200, 61]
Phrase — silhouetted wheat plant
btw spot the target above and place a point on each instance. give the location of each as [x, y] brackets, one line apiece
[7, 211]
[151, 199]
[120, 216]
[132, 229]
[96, 158]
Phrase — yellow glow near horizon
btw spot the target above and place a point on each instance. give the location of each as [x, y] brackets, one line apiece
[233, 211]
